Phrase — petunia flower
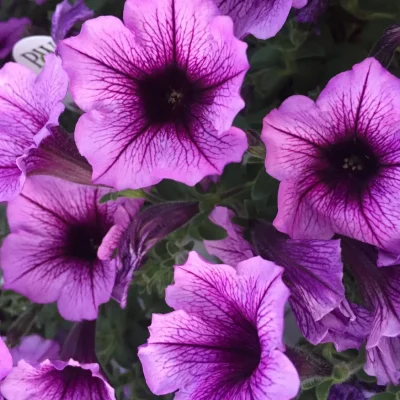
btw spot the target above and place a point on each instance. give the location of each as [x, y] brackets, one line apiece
[56, 380]
[29, 109]
[160, 92]
[379, 288]
[145, 230]
[10, 32]
[61, 245]
[261, 18]
[66, 16]
[224, 341]
[312, 270]
[338, 159]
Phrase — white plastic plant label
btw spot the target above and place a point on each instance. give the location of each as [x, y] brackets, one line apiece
[30, 51]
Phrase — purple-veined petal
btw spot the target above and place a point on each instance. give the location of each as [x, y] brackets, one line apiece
[261, 18]
[154, 154]
[57, 228]
[383, 361]
[56, 380]
[161, 93]
[338, 158]
[225, 340]
[56, 155]
[234, 248]
[29, 107]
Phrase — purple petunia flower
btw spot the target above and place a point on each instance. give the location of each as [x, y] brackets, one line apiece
[66, 16]
[338, 159]
[10, 32]
[35, 349]
[160, 92]
[312, 270]
[61, 245]
[56, 380]
[29, 108]
[261, 18]
[224, 341]
[379, 288]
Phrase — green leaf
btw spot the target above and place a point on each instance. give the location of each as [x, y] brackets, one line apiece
[132, 194]
[384, 396]
[263, 186]
[363, 376]
[322, 390]
[210, 231]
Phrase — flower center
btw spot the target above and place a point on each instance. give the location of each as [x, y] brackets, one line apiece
[83, 241]
[168, 96]
[352, 159]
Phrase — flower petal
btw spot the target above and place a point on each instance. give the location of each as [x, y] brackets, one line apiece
[28, 107]
[41, 259]
[234, 248]
[383, 361]
[146, 230]
[261, 18]
[56, 381]
[205, 349]
[66, 16]
[10, 32]
[5, 360]
[143, 158]
[215, 292]
[300, 133]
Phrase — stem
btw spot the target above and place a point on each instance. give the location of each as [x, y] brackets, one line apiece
[235, 191]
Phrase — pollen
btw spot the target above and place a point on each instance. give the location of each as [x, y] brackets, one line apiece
[175, 97]
[354, 163]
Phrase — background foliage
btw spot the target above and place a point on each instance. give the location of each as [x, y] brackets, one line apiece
[299, 60]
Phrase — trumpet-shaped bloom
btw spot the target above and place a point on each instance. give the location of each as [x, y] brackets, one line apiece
[160, 92]
[338, 159]
[29, 108]
[10, 32]
[261, 18]
[312, 269]
[56, 380]
[224, 341]
[61, 245]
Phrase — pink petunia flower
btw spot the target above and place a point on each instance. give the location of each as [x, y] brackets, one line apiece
[338, 159]
[160, 92]
[224, 341]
